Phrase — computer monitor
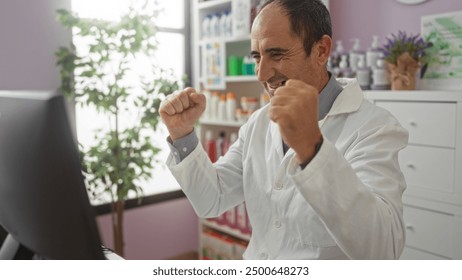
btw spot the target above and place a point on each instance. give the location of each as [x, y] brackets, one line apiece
[43, 199]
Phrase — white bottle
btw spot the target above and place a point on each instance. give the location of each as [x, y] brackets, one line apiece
[215, 25]
[373, 53]
[222, 108]
[208, 104]
[229, 25]
[363, 73]
[380, 76]
[344, 70]
[231, 106]
[354, 54]
[214, 106]
[337, 54]
[223, 18]
[233, 138]
[206, 27]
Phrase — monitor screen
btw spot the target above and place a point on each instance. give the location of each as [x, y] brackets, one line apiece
[43, 199]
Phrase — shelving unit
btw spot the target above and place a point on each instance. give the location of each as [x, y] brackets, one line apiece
[243, 85]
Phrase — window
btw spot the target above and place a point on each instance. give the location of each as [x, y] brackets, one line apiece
[172, 53]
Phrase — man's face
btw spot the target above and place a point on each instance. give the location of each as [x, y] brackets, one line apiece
[279, 55]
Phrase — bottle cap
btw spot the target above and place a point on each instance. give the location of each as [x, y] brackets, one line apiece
[208, 135]
[223, 97]
[231, 95]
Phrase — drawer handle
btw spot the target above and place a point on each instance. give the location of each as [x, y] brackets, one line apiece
[409, 227]
[410, 165]
[412, 123]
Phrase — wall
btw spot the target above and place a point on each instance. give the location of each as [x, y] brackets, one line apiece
[29, 36]
[364, 18]
[156, 232]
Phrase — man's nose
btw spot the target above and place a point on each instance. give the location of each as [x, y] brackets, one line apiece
[264, 70]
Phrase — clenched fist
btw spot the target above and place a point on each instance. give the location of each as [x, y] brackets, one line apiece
[294, 107]
[180, 111]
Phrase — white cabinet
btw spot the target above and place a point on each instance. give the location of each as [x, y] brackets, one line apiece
[432, 166]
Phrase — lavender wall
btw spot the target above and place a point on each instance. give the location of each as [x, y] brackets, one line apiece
[29, 37]
[156, 232]
[364, 18]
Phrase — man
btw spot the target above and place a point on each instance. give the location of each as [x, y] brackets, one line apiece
[317, 167]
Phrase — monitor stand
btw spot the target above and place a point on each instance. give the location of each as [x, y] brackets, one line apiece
[9, 248]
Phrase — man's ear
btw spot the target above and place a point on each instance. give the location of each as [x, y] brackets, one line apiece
[322, 49]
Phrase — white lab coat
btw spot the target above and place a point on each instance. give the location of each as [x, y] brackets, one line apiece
[346, 203]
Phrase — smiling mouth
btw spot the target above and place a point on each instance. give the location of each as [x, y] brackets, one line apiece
[272, 87]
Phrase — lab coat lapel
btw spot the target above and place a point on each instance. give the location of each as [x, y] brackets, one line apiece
[277, 139]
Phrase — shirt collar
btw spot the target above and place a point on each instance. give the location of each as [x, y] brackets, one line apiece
[327, 96]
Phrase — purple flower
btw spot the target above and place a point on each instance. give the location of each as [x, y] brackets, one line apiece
[400, 43]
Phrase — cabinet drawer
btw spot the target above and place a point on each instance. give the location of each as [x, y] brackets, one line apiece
[414, 254]
[428, 167]
[429, 231]
[427, 123]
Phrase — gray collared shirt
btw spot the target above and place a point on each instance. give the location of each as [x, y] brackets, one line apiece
[182, 147]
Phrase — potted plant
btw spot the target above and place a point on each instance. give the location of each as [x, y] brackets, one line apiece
[123, 154]
[404, 55]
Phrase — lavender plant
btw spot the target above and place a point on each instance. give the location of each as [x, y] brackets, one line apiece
[396, 45]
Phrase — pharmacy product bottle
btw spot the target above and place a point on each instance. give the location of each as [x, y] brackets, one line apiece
[373, 53]
[264, 99]
[219, 144]
[248, 66]
[229, 25]
[222, 108]
[380, 76]
[231, 106]
[354, 55]
[208, 101]
[210, 146]
[233, 138]
[363, 73]
[344, 70]
[337, 54]
[206, 27]
[223, 18]
[214, 105]
[215, 25]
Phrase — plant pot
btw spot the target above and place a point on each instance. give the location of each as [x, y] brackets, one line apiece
[403, 74]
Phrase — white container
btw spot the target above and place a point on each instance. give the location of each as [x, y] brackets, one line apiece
[223, 18]
[208, 104]
[231, 106]
[229, 25]
[363, 73]
[205, 28]
[214, 105]
[380, 76]
[215, 25]
[222, 108]
[373, 53]
[354, 55]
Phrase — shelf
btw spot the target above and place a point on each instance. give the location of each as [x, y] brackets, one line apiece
[242, 78]
[226, 229]
[225, 40]
[216, 4]
[221, 123]
[238, 79]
